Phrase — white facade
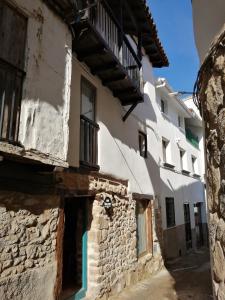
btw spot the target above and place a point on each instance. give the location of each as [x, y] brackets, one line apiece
[45, 100]
[179, 181]
[118, 141]
[209, 18]
[118, 148]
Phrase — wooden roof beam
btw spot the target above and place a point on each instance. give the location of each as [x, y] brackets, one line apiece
[131, 14]
[113, 79]
[90, 52]
[104, 68]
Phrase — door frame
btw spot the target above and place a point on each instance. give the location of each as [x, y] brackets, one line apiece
[82, 292]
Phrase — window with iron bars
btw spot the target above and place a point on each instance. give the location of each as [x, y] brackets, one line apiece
[13, 31]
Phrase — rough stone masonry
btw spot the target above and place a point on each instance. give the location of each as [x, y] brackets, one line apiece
[112, 255]
[211, 96]
[27, 245]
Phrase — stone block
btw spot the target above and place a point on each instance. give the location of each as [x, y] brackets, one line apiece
[218, 263]
[95, 236]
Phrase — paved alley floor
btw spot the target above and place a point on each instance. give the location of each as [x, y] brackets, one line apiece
[183, 279]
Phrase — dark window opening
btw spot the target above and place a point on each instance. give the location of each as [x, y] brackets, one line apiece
[13, 31]
[164, 150]
[182, 159]
[163, 106]
[170, 212]
[180, 121]
[187, 221]
[143, 144]
[88, 127]
[193, 162]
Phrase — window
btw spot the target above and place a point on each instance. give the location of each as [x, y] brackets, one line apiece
[164, 150]
[88, 95]
[143, 144]
[13, 26]
[187, 222]
[163, 106]
[170, 212]
[88, 127]
[180, 121]
[182, 159]
[193, 163]
[144, 227]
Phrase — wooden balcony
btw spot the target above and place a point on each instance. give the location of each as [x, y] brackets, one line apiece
[101, 43]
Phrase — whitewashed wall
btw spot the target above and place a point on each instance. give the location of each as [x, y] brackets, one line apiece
[184, 189]
[118, 141]
[209, 18]
[46, 92]
[199, 132]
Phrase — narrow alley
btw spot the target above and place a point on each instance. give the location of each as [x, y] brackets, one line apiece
[112, 150]
[187, 278]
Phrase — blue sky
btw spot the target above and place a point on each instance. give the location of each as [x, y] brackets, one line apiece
[174, 23]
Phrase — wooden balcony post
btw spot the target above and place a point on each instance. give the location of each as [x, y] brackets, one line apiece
[139, 52]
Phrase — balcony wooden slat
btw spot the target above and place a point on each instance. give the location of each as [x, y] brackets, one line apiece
[104, 48]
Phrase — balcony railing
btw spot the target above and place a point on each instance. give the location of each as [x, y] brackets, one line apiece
[104, 21]
[193, 139]
[88, 142]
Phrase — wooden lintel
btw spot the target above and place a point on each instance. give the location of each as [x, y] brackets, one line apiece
[137, 196]
[25, 178]
[32, 155]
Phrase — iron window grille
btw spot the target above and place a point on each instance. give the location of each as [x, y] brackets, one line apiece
[13, 33]
[88, 127]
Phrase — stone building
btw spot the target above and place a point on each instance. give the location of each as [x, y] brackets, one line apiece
[210, 41]
[77, 180]
[182, 194]
[34, 113]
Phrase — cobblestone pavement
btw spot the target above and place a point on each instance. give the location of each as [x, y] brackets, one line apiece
[187, 278]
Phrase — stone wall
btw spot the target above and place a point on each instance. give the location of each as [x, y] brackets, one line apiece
[211, 91]
[112, 253]
[28, 225]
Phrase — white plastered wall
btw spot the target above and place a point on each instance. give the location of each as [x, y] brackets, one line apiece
[117, 140]
[184, 189]
[46, 90]
[209, 18]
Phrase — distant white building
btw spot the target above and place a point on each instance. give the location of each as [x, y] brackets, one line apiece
[182, 195]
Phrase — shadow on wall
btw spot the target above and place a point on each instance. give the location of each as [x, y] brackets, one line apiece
[123, 135]
[190, 273]
[119, 144]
